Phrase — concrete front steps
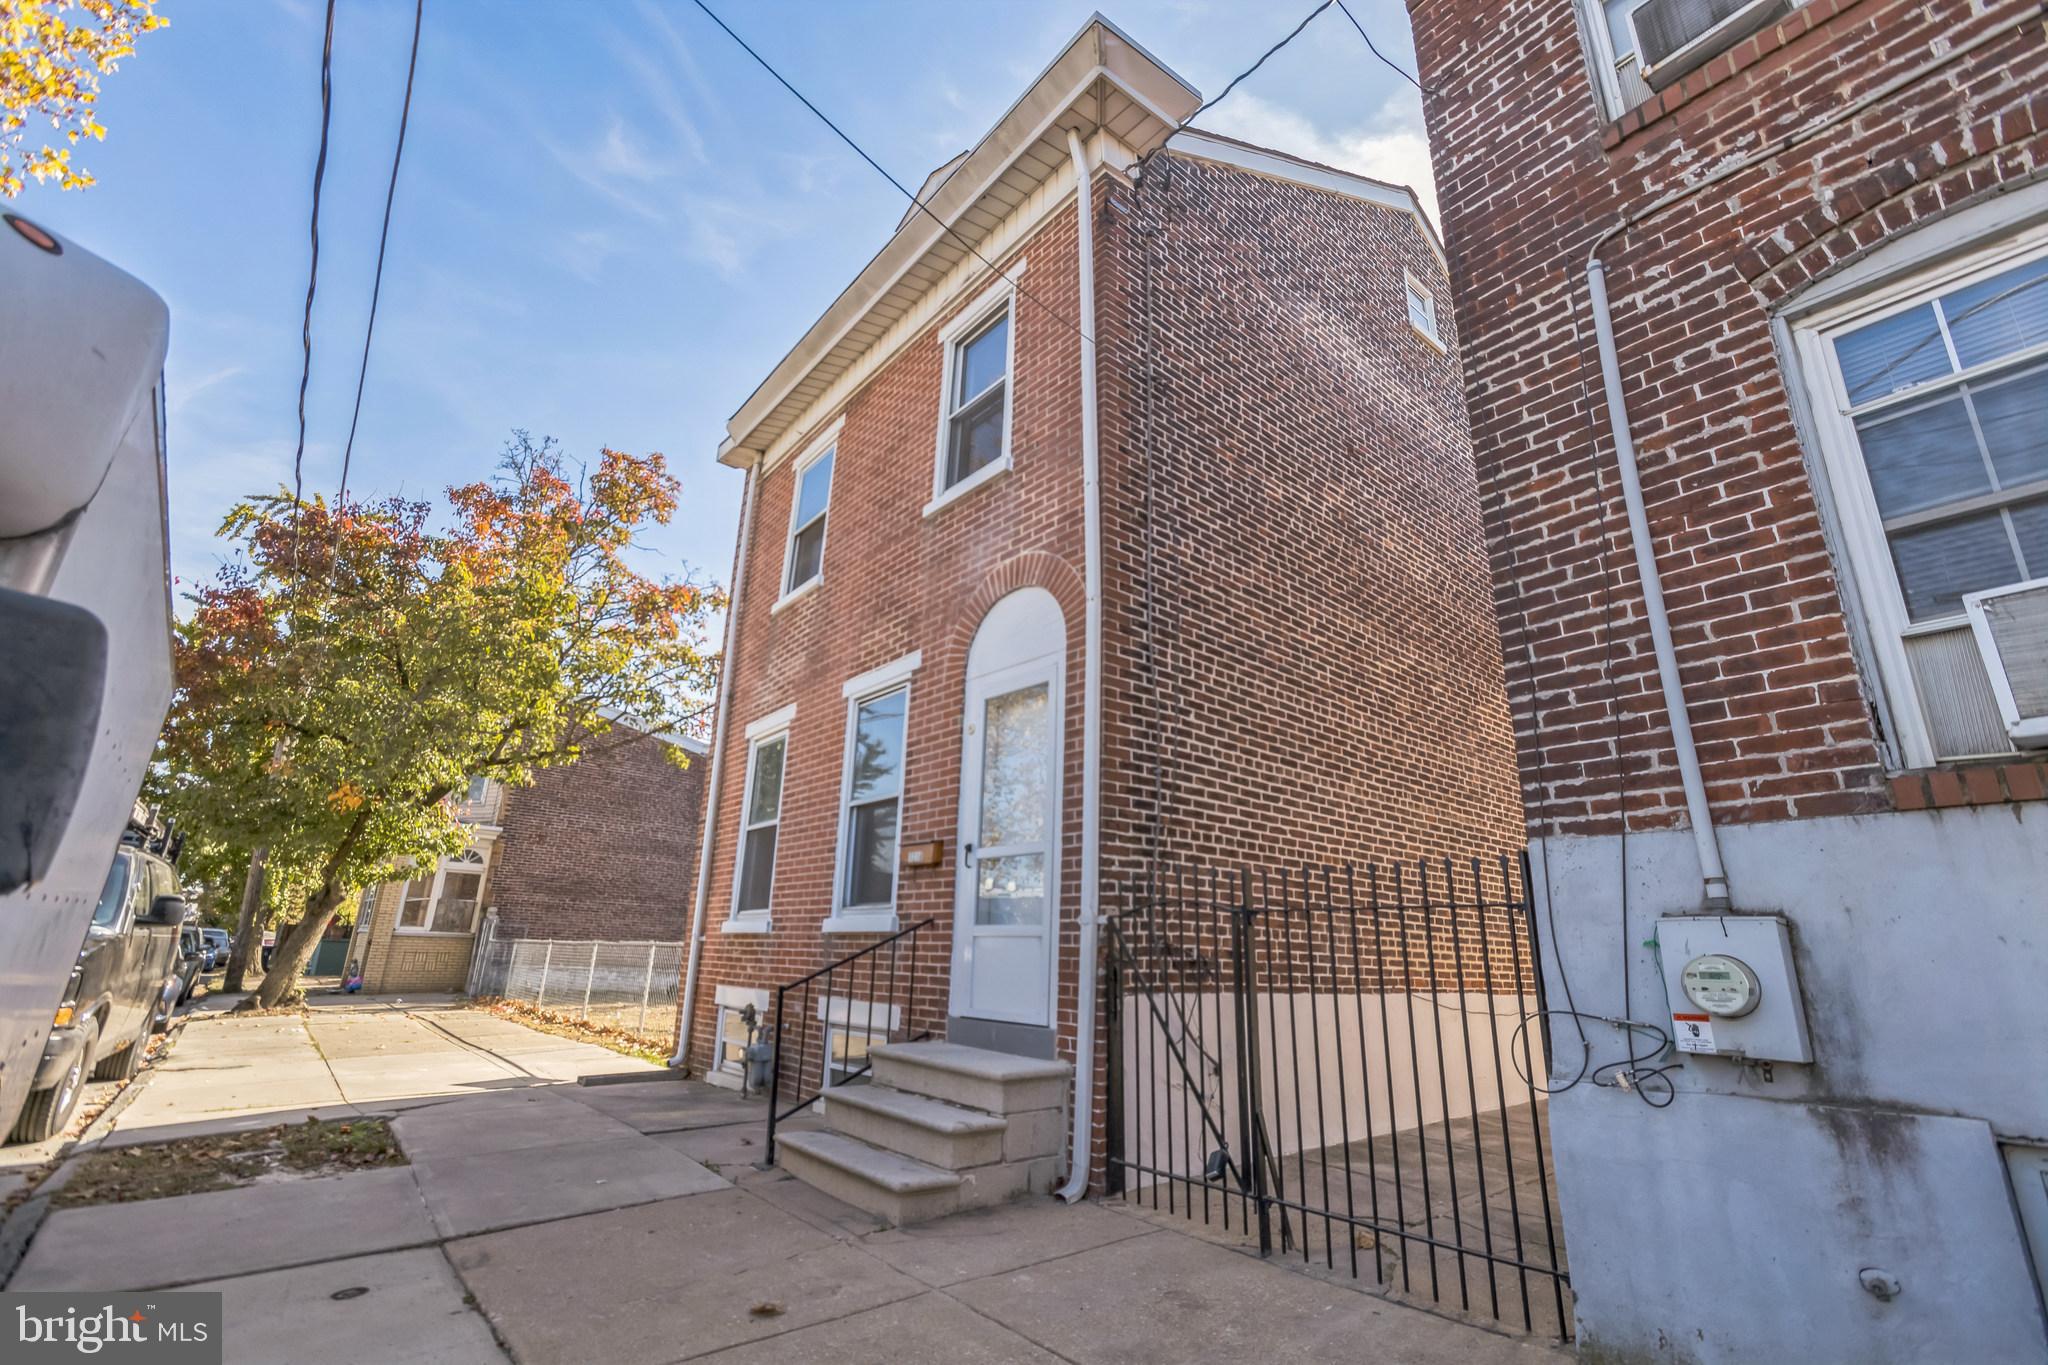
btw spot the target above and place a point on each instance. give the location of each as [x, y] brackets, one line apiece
[941, 1128]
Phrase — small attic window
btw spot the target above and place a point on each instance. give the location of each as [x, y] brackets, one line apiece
[1422, 311]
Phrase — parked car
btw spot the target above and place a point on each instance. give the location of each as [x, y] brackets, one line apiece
[192, 960]
[219, 943]
[124, 987]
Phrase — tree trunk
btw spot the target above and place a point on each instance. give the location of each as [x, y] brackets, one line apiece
[295, 947]
[249, 924]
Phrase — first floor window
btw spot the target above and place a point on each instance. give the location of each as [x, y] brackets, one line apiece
[444, 901]
[1936, 432]
[874, 797]
[762, 817]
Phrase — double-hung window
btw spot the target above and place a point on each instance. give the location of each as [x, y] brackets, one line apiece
[805, 562]
[974, 419]
[1933, 409]
[1422, 310]
[874, 800]
[443, 901]
[760, 818]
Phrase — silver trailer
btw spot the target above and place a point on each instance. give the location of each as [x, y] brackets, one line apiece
[85, 605]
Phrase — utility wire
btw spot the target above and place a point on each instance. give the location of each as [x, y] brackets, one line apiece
[1291, 36]
[383, 238]
[312, 275]
[900, 188]
[1389, 62]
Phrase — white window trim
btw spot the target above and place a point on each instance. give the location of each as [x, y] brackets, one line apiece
[998, 297]
[1434, 336]
[849, 1012]
[774, 725]
[1872, 581]
[1600, 51]
[455, 863]
[825, 443]
[876, 682]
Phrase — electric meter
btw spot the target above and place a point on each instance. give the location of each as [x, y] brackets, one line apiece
[1723, 986]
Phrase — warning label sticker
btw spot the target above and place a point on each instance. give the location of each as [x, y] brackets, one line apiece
[1693, 1032]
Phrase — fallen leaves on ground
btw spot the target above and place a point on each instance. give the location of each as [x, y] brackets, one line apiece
[613, 1036]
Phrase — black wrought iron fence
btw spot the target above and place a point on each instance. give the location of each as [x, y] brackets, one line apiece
[1342, 1063]
[826, 1023]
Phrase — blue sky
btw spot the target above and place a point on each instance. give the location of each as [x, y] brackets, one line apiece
[610, 223]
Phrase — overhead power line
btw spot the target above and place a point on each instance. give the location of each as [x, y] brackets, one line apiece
[1389, 62]
[882, 171]
[312, 273]
[383, 239]
[1294, 33]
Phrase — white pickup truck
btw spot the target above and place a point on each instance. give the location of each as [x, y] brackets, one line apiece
[85, 606]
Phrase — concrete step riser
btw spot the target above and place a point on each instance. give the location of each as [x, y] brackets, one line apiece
[948, 1151]
[974, 1092]
[893, 1207]
[1009, 1180]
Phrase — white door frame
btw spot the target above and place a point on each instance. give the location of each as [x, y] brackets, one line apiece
[1021, 642]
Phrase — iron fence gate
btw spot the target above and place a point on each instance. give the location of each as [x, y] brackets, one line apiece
[1342, 1063]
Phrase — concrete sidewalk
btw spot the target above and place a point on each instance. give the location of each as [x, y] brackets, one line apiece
[627, 1223]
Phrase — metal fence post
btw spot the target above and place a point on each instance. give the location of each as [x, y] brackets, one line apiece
[545, 963]
[1250, 1123]
[589, 980]
[646, 989]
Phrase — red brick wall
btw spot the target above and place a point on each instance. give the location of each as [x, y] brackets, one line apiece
[1530, 172]
[895, 581]
[1313, 672]
[602, 848]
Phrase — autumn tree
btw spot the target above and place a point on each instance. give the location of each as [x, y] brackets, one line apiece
[52, 55]
[348, 675]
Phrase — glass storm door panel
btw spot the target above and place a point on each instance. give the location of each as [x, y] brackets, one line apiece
[1006, 907]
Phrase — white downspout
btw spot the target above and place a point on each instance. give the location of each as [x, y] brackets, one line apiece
[1091, 685]
[722, 726]
[1713, 876]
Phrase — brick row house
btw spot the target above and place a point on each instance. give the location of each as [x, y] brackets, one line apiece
[1120, 509]
[600, 849]
[1784, 265]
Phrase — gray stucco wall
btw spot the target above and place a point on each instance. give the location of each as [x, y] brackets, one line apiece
[1732, 1226]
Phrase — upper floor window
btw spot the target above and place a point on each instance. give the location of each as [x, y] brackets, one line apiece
[761, 819]
[1934, 422]
[1422, 310]
[805, 561]
[975, 428]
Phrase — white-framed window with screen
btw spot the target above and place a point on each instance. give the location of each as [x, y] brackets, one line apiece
[753, 883]
[810, 499]
[978, 351]
[445, 900]
[1421, 309]
[871, 798]
[852, 1029]
[1930, 396]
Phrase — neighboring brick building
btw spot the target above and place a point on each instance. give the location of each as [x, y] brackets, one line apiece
[1297, 652]
[1822, 236]
[601, 849]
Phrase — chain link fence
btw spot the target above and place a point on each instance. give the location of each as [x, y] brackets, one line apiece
[629, 985]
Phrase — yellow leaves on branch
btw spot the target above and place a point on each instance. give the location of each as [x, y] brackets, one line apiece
[347, 797]
[50, 68]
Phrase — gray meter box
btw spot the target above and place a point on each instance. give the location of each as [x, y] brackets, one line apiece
[1733, 987]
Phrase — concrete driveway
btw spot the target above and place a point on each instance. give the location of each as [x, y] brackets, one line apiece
[544, 1221]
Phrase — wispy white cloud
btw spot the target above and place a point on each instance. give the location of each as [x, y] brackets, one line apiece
[1392, 147]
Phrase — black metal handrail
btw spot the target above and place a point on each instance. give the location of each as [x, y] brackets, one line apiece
[897, 945]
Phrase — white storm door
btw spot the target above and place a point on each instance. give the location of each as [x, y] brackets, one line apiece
[1006, 900]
